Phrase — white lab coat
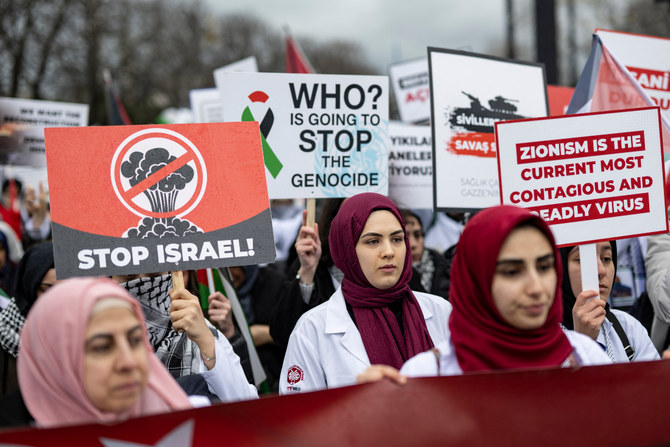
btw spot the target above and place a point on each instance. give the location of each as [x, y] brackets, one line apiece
[425, 364]
[226, 379]
[326, 350]
[637, 336]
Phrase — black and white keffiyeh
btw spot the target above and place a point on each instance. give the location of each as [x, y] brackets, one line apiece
[174, 349]
[11, 322]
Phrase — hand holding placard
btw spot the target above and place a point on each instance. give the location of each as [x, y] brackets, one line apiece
[308, 248]
[588, 262]
[186, 316]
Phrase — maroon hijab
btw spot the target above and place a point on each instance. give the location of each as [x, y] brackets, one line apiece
[482, 339]
[382, 337]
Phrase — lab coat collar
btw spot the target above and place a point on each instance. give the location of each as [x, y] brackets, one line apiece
[338, 321]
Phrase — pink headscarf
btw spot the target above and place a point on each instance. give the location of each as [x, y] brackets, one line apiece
[377, 324]
[50, 363]
[482, 339]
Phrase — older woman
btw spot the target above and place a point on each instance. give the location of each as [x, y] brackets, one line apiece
[85, 357]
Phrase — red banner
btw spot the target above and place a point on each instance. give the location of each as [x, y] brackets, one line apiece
[603, 405]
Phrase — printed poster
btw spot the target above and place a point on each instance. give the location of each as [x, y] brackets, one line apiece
[22, 123]
[647, 58]
[411, 89]
[592, 177]
[206, 105]
[469, 94]
[410, 166]
[323, 135]
[141, 199]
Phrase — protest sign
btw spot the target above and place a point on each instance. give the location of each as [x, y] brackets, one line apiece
[206, 105]
[323, 135]
[246, 65]
[647, 58]
[591, 177]
[27, 175]
[139, 199]
[22, 123]
[206, 102]
[410, 166]
[559, 99]
[411, 89]
[606, 84]
[464, 149]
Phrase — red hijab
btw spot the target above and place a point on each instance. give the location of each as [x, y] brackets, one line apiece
[382, 337]
[482, 339]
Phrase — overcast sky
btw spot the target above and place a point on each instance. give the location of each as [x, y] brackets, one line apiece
[388, 30]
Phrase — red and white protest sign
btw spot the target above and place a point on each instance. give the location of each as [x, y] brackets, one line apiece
[647, 58]
[592, 177]
[411, 87]
[140, 199]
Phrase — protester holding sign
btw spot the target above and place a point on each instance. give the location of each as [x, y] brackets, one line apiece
[95, 364]
[374, 317]
[312, 277]
[505, 278]
[219, 312]
[623, 337]
[184, 341]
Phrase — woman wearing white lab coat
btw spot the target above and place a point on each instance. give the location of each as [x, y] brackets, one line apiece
[374, 317]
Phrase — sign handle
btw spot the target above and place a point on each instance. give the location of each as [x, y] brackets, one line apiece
[177, 280]
[243, 325]
[210, 280]
[588, 263]
[311, 212]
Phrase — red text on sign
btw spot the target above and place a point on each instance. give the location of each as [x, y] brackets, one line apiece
[567, 148]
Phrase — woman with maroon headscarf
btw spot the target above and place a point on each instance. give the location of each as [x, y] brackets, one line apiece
[374, 317]
[506, 293]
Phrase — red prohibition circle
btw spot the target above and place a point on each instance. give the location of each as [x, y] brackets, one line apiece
[127, 195]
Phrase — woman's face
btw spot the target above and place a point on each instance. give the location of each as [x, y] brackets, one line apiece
[415, 235]
[115, 360]
[524, 282]
[381, 249]
[605, 270]
[48, 281]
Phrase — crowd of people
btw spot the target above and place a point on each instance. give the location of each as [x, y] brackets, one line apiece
[362, 295]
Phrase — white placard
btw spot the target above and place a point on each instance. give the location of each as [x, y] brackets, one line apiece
[647, 58]
[411, 88]
[410, 166]
[246, 65]
[591, 177]
[22, 124]
[469, 94]
[206, 105]
[323, 135]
